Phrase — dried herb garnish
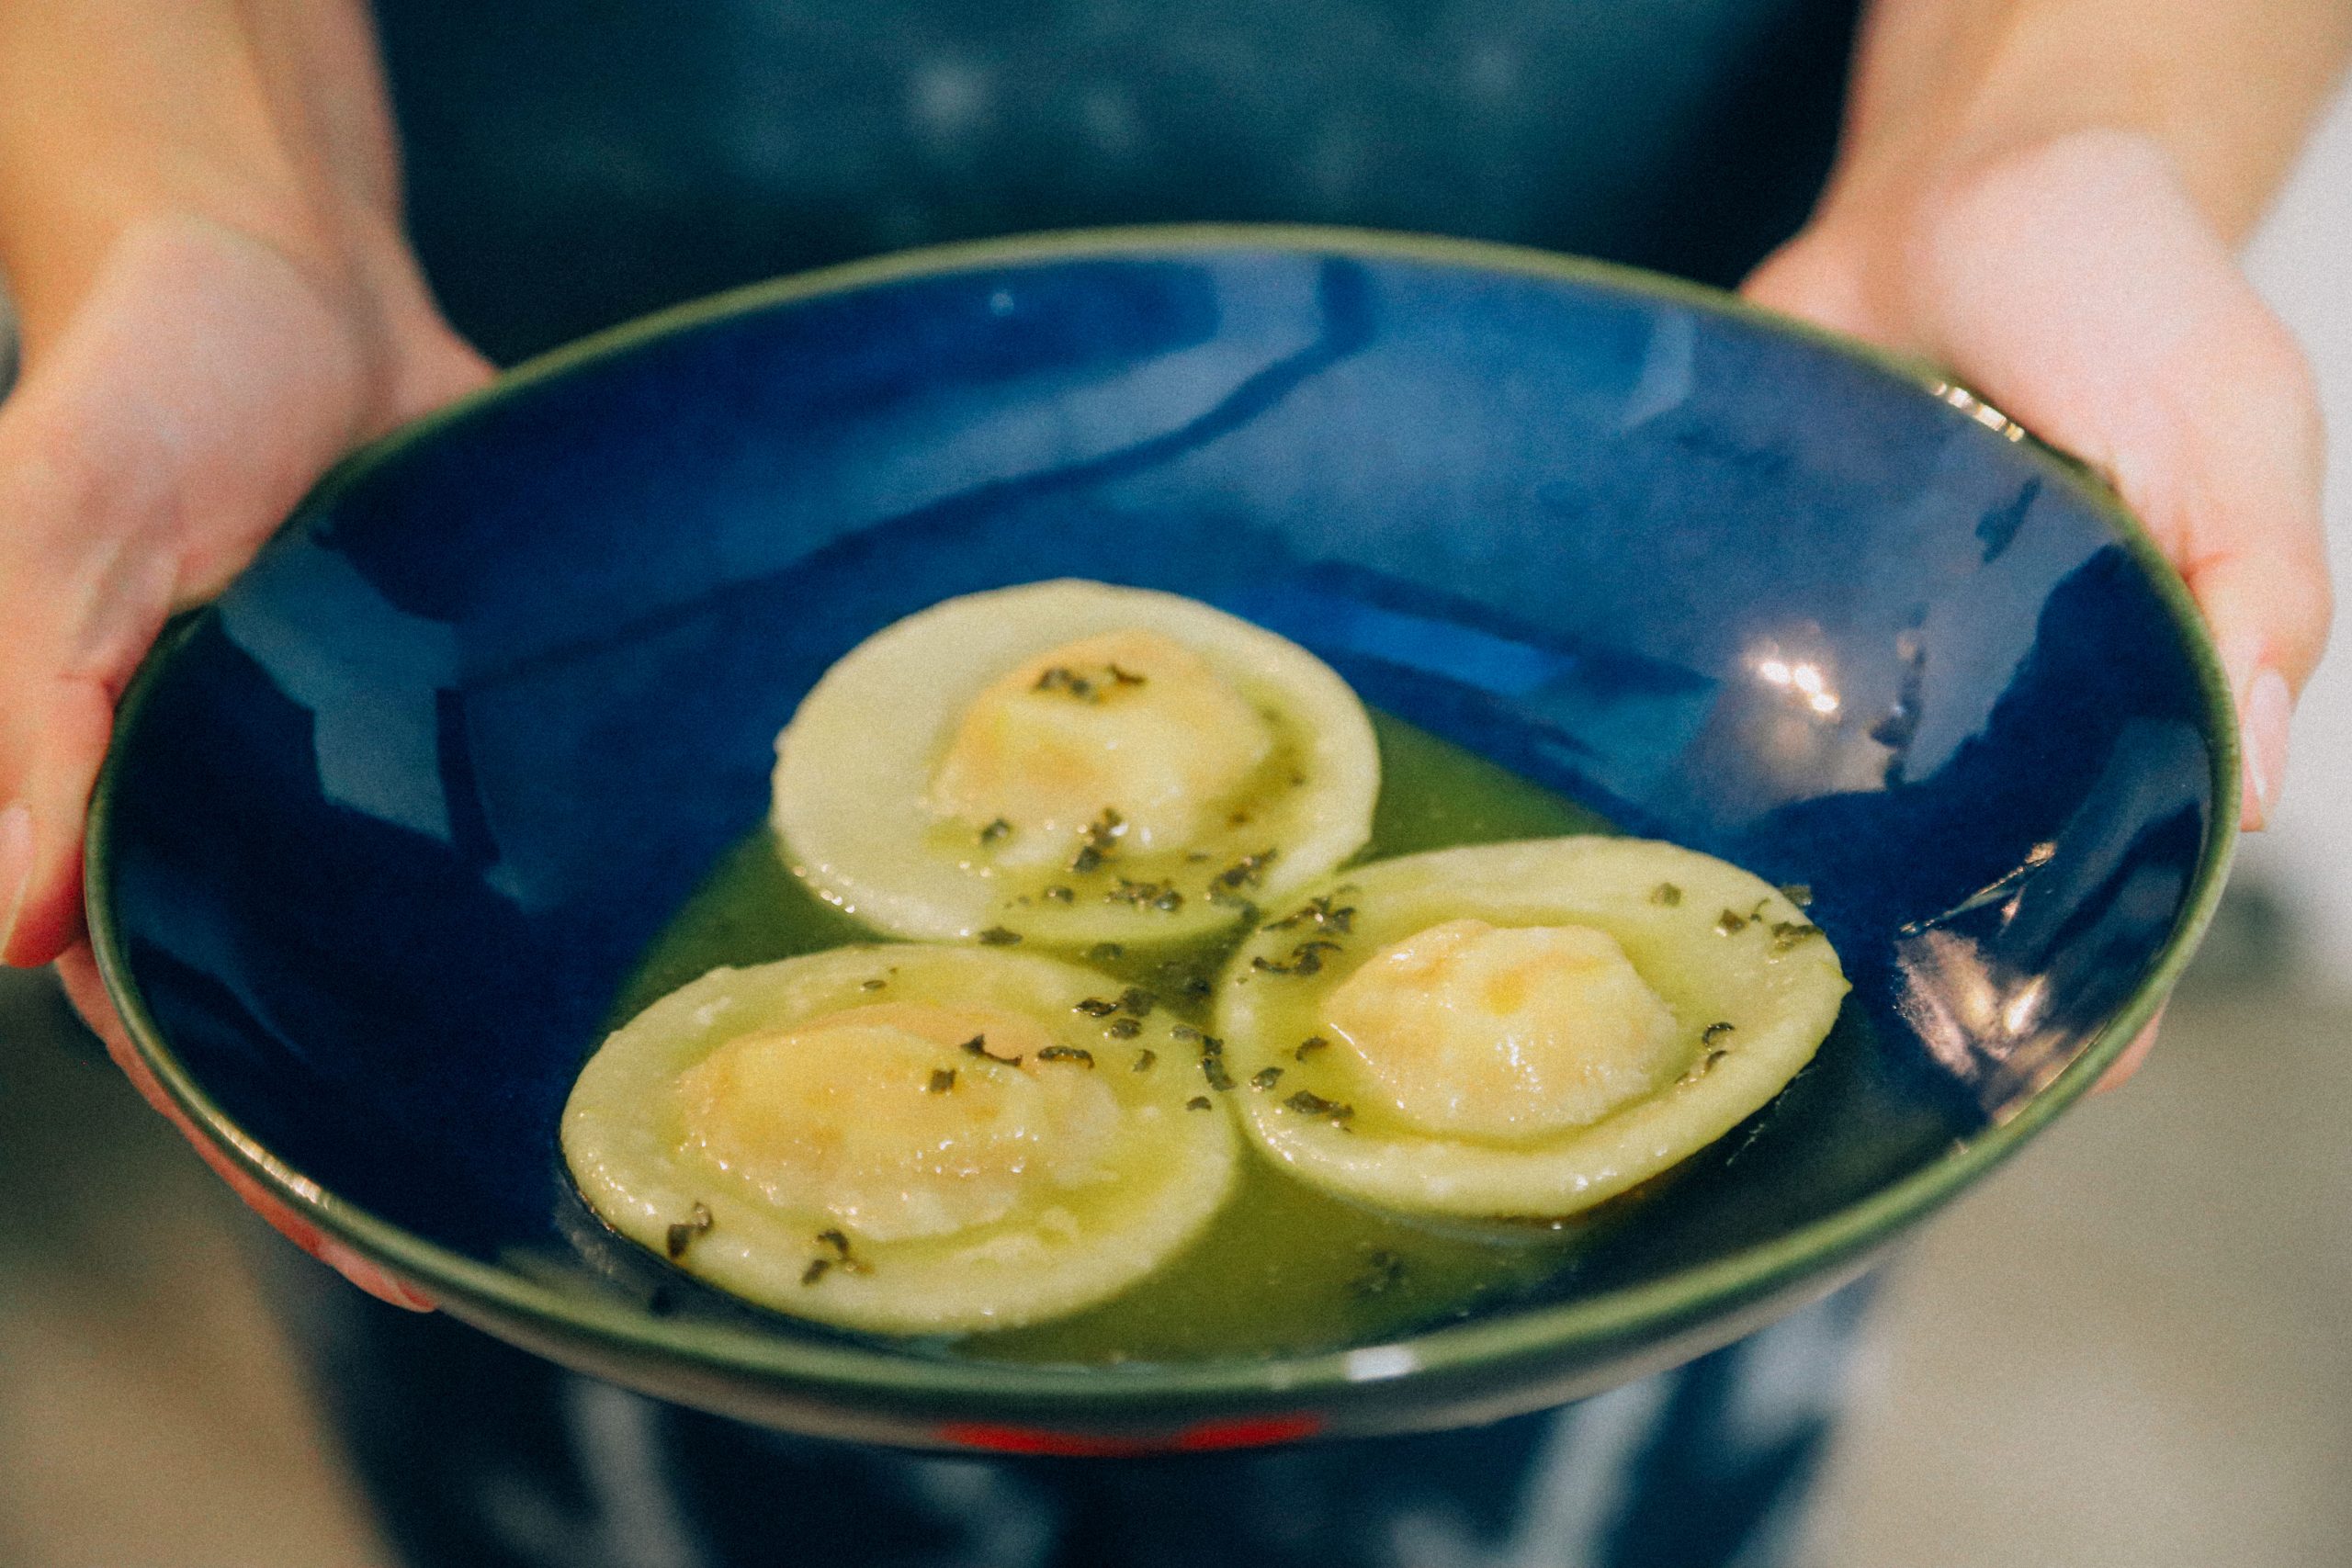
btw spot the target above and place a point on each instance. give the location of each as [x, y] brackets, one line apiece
[1666, 893]
[1798, 893]
[996, 830]
[1265, 1078]
[1307, 958]
[1705, 1065]
[1339, 920]
[1123, 1028]
[840, 1259]
[1249, 871]
[1095, 1006]
[978, 1045]
[1145, 1058]
[1058, 894]
[941, 1081]
[1197, 987]
[1087, 859]
[1198, 1103]
[999, 936]
[1125, 677]
[1308, 1047]
[1187, 1033]
[874, 985]
[1137, 1001]
[1382, 1271]
[816, 1271]
[1097, 839]
[1161, 896]
[1103, 951]
[1730, 923]
[1788, 935]
[1212, 1057]
[1308, 1103]
[682, 1235]
[1061, 678]
[1714, 1032]
[1083, 1057]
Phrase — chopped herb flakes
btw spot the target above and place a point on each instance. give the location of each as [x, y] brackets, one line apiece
[1308, 1047]
[1788, 935]
[874, 985]
[1730, 923]
[996, 831]
[978, 1045]
[1307, 958]
[1161, 896]
[1198, 1103]
[1308, 1103]
[1225, 886]
[1382, 1271]
[1145, 1058]
[1095, 1006]
[1058, 894]
[1134, 999]
[1666, 893]
[1797, 893]
[837, 1243]
[1339, 920]
[1083, 1057]
[941, 1081]
[1123, 1028]
[1265, 1078]
[1715, 1032]
[682, 1235]
[999, 936]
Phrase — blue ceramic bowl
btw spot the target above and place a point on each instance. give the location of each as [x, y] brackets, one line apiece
[386, 828]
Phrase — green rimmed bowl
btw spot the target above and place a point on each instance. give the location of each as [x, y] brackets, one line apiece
[388, 827]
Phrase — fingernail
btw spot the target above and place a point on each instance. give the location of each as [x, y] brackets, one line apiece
[16, 869]
[2267, 710]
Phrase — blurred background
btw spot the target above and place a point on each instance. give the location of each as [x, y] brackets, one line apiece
[2125, 1349]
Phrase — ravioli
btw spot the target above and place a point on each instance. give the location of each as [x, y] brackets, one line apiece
[1520, 1029]
[906, 1139]
[1072, 762]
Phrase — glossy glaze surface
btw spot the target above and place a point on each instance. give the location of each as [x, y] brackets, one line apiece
[386, 829]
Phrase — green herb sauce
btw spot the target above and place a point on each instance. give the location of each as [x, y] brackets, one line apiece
[1285, 1269]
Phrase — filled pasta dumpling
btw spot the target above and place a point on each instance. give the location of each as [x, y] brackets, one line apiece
[906, 1139]
[1072, 762]
[1520, 1029]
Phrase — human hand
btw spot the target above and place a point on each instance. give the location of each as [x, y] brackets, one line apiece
[2076, 285]
[208, 327]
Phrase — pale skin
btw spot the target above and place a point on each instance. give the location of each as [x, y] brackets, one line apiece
[199, 222]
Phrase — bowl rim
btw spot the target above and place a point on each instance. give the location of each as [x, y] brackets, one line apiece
[1615, 1317]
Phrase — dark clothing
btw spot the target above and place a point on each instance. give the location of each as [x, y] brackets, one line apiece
[571, 163]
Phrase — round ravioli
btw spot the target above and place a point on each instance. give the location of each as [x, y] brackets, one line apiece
[1072, 762]
[906, 1139]
[1520, 1029]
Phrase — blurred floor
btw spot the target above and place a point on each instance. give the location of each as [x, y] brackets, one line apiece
[147, 1412]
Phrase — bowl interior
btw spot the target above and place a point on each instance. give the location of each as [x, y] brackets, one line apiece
[388, 827]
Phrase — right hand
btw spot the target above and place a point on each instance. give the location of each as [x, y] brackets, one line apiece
[170, 416]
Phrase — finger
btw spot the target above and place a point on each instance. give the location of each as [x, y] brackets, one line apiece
[2120, 1072]
[79, 972]
[2079, 289]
